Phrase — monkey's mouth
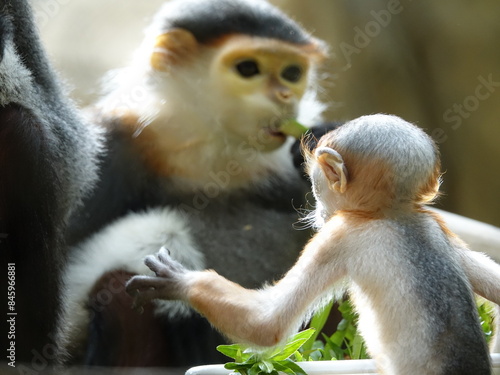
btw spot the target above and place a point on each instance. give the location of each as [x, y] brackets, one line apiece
[269, 138]
[274, 129]
[275, 132]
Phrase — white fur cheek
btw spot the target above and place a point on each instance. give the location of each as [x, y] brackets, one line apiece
[310, 111]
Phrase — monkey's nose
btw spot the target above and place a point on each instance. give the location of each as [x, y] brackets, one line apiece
[284, 95]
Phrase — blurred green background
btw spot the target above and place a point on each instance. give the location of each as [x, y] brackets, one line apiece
[434, 63]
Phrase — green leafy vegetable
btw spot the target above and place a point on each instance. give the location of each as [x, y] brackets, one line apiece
[486, 312]
[250, 361]
[293, 128]
[344, 343]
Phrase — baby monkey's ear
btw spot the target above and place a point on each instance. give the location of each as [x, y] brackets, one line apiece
[333, 167]
[174, 47]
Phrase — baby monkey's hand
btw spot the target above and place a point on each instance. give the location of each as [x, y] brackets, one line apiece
[167, 284]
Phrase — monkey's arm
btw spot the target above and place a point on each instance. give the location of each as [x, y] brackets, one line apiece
[261, 317]
[478, 236]
[483, 273]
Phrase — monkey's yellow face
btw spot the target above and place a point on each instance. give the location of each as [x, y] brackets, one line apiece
[260, 83]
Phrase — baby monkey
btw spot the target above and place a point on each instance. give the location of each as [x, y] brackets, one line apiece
[409, 277]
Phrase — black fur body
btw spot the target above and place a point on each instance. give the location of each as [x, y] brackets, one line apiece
[47, 164]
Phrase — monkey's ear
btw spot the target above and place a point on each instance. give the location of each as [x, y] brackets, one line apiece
[333, 167]
[173, 47]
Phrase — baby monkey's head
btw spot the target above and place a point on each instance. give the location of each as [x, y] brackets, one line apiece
[374, 164]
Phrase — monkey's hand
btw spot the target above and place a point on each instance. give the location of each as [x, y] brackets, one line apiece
[167, 284]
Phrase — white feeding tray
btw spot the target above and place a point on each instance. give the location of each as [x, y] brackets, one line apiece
[347, 367]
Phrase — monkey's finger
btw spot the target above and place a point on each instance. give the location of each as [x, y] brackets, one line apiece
[146, 288]
[164, 256]
[143, 283]
[163, 249]
[135, 288]
[163, 265]
[155, 265]
[147, 295]
[173, 265]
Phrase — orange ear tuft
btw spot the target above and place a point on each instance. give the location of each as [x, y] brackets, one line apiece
[171, 48]
[332, 164]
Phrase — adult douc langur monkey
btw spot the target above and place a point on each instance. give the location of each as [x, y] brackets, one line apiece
[47, 164]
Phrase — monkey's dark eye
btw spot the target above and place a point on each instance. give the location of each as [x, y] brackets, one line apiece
[248, 68]
[292, 73]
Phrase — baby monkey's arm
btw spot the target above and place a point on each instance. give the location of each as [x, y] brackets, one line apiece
[483, 272]
[260, 317]
[228, 306]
